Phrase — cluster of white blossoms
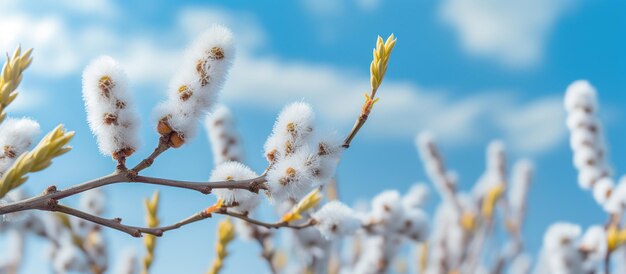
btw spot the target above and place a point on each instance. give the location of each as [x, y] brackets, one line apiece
[74, 245]
[301, 159]
[241, 200]
[16, 136]
[567, 251]
[587, 141]
[110, 109]
[463, 222]
[391, 220]
[194, 88]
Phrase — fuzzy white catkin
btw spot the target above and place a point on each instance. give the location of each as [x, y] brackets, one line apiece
[616, 203]
[195, 87]
[561, 250]
[292, 130]
[293, 176]
[225, 140]
[241, 200]
[520, 183]
[415, 224]
[586, 139]
[386, 211]
[16, 136]
[433, 165]
[335, 219]
[110, 108]
[594, 242]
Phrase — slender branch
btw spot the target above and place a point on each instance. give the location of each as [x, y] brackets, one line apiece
[224, 211]
[147, 162]
[136, 231]
[51, 195]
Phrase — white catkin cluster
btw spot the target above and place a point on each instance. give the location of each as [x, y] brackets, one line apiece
[300, 158]
[495, 171]
[444, 181]
[16, 136]
[520, 184]
[240, 200]
[194, 88]
[109, 106]
[335, 219]
[391, 220]
[567, 251]
[65, 255]
[461, 223]
[587, 141]
[225, 141]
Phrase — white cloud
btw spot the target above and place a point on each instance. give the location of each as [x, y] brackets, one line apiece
[511, 32]
[27, 99]
[269, 82]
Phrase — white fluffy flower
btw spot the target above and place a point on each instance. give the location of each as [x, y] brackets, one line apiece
[335, 219]
[580, 94]
[561, 235]
[386, 212]
[294, 176]
[560, 248]
[193, 90]
[223, 136]
[329, 149]
[16, 136]
[602, 190]
[241, 200]
[292, 130]
[110, 111]
[415, 224]
[594, 244]
[617, 201]
[520, 183]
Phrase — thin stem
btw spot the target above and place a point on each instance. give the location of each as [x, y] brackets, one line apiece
[51, 196]
[147, 162]
[224, 211]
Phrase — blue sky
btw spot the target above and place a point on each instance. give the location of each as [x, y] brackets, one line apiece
[468, 70]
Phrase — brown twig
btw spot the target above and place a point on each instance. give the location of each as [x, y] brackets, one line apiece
[225, 211]
[147, 162]
[52, 195]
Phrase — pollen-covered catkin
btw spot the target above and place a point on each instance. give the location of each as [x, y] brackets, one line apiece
[194, 89]
[335, 219]
[240, 200]
[587, 142]
[16, 136]
[110, 109]
[225, 140]
[292, 130]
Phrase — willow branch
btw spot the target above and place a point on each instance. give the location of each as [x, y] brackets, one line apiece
[147, 162]
[51, 195]
[225, 211]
